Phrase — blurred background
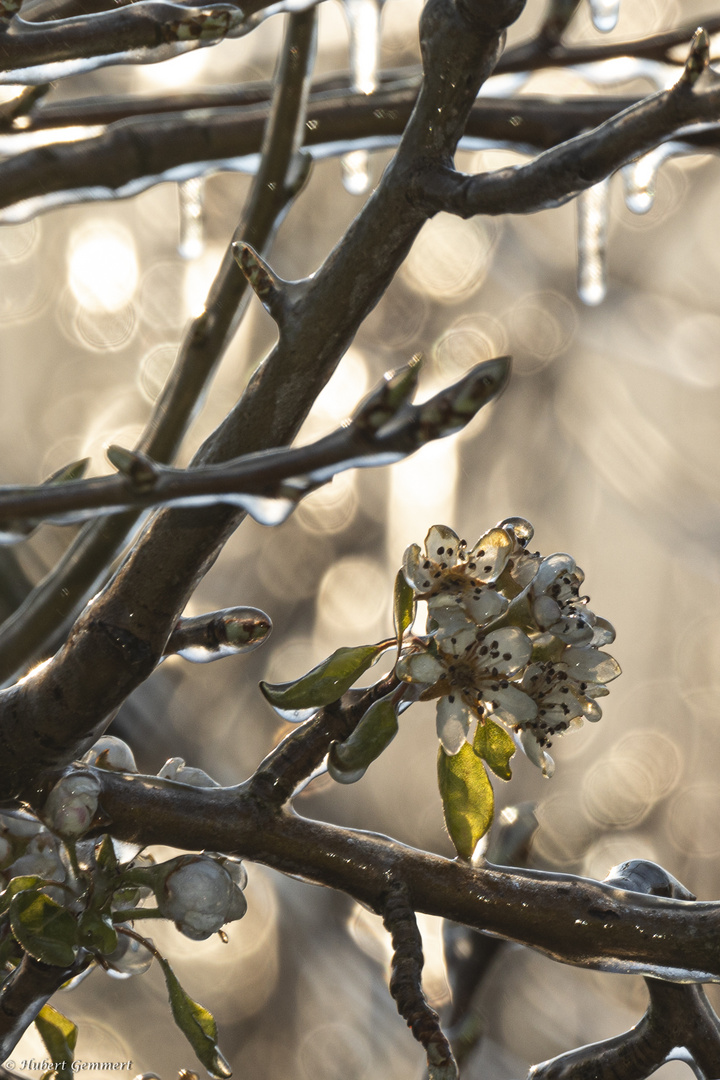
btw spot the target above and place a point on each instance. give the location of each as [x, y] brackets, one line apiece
[607, 440]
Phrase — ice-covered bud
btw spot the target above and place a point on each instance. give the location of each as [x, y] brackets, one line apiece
[5, 849]
[111, 753]
[72, 805]
[176, 769]
[43, 864]
[130, 958]
[200, 896]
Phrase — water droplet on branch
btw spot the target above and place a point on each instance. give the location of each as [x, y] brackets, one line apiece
[604, 14]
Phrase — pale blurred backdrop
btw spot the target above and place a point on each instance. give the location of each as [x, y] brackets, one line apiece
[607, 439]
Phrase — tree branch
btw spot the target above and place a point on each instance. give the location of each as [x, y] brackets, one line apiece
[38, 52]
[122, 634]
[278, 179]
[573, 920]
[576, 165]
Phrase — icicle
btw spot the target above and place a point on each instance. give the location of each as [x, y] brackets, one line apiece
[191, 195]
[363, 18]
[640, 178]
[604, 14]
[355, 172]
[592, 220]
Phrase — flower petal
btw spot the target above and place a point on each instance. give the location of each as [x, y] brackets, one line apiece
[453, 722]
[589, 665]
[550, 569]
[510, 704]
[483, 605]
[417, 575]
[536, 754]
[504, 651]
[603, 632]
[457, 643]
[442, 546]
[488, 558]
[420, 667]
[449, 614]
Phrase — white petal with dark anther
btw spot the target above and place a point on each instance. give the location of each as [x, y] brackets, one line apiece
[589, 665]
[559, 706]
[448, 611]
[442, 546]
[420, 668]
[487, 559]
[536, 754]
[510, 704]
[550, 569]
[416, 575]
[457, 644]
[573, 630]
[546, 611]
[483, 605]
[453, 722]
[504, 651]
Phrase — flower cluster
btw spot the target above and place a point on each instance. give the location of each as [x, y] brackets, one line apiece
[508, 635]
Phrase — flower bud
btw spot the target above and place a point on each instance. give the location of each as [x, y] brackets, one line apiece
[176, 769]
[200, 896]
[111, 753]
[72, 805]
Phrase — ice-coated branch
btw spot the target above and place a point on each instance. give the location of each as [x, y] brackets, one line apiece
[258, 483]
[576, 165]
[278, 179]
[584, 923]
[304, 749]
[679, 1020]
[122, 633]
[151, 30]
[545, 50]
[406, 987]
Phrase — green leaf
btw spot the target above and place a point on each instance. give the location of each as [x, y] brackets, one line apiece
[196, 1023]
[16, 885]
[97, 932]
[467, 795]
[105, 855]
[44, 929]
[325, 683]
[59, 1035]
[494, 745]
[376, 730]
[403, 606]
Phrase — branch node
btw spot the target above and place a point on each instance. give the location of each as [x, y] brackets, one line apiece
[271, 290]
[136, 467]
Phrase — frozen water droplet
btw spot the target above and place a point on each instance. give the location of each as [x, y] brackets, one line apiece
[640, 178]
[592, 221]
[604, 14]
[355, 174]
[192, 234]
[363, 18]
[219, 633]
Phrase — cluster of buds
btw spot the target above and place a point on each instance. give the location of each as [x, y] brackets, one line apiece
[508, 636]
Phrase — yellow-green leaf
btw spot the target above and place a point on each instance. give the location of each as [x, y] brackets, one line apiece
[44, 928]
[403, 606]
[58, 1033]
[376, 730]
[324, 684]
[196, 1023]
[494, 745]
[467, 795]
